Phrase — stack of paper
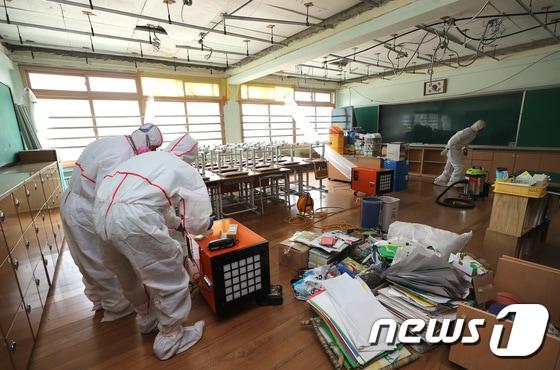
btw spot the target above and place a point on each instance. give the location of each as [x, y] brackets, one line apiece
[405, 303]
[343, 240]
[349, 309]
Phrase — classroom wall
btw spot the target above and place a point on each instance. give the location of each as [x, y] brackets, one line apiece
[517, 72]
[9, 75]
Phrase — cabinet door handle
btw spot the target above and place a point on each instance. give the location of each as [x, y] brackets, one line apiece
[2, 216]
[50, 245]
[12, 345]
[16, 202]
[35, 185]
[45, 261]
[28, 308]
[27, 244]
[37, 282]
[15, 263]
[27, 193]
[36, 230]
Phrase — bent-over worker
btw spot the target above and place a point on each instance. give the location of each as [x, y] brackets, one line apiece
[97, 160]
[134, 213]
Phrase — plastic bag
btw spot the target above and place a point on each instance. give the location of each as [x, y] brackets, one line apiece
[442, 241]
[312, 281]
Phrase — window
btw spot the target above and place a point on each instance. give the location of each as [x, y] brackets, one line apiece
[111, 84]
[88, 105]
[202, 89]
[152, 86]
[273, 93]
[202, 120]
[65, 124]
[320, 120]
[270, 122]
[45, 81]
[267, 123]
[308, 96]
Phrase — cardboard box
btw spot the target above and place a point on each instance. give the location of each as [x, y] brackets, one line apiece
[294, 255]
[396, 151]
[532, 283]
[369, 162]
[335, 174]
[497, 244]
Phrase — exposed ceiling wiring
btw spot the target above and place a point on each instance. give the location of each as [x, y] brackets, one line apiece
[513, 75]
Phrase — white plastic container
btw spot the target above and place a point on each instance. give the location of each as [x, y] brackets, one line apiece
[389, 211]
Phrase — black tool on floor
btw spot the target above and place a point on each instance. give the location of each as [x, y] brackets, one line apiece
[462, 203]
[274, 298]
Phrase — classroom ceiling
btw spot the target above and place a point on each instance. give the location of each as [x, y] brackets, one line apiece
[195, 33]
[64, 25]
[483, 31]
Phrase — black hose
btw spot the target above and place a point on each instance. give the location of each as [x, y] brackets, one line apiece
[454, 202]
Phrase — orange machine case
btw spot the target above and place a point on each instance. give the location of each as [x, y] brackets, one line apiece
[212, 262]
[367, 180]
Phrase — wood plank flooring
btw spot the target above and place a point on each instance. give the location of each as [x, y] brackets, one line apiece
[72, 337]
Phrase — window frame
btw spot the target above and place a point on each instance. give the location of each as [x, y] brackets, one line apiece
[270, 102]
[137, 96]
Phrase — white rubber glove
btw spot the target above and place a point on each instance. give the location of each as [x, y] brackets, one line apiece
[444, 152]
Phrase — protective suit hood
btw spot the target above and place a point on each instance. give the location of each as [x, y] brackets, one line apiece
[184, 147]
[478, 125]
[146, 138]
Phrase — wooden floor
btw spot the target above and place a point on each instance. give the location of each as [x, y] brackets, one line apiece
[72, 337]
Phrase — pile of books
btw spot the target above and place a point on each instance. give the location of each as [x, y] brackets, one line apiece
[348, 310]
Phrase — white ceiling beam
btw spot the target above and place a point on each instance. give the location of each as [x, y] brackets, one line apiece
[391, 18]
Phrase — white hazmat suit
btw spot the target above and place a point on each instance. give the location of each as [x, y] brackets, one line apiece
[134, 213]
[184, 147]
[97, 160]
[456, 146]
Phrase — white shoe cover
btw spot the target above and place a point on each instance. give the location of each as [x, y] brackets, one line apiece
[177, 341]
[112, 316]
[439, 181]
[146, 323]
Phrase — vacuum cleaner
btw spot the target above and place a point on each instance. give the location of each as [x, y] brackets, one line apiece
[474, 187]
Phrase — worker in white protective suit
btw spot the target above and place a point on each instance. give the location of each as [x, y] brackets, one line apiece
[456, 149]
[184, 147]
[134, 214]
[97, 160]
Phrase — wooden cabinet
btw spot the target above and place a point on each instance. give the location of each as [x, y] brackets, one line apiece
[550, 162]
[10, 296]
[5, 360]
[20, 340]
[31, 239]
[528, 161]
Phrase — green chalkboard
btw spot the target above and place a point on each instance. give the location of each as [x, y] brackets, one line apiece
[434, 122]
[540, 120]
[10, 139]
[367, 118]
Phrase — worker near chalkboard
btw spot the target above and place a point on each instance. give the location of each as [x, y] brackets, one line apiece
[455, 150]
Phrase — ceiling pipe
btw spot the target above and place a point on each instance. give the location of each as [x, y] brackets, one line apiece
[155, 19]
[544, 26]
[36, 47]
[270, 20]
